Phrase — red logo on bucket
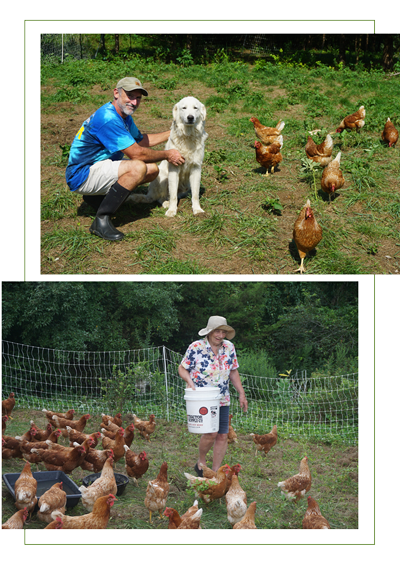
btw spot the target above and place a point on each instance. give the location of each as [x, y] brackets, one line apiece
[203, 410]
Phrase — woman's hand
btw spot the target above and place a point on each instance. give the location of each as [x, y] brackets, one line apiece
[243, 403]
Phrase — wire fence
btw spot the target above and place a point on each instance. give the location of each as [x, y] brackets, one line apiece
[146, 381]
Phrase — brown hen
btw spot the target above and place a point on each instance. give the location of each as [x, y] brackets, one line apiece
[53, 499]
[8, 405]
[268, 157]
[313, 518]
[248, 520]
[353, 121]
[135, 464]
[321, 153]
[332, 177]
[307, 233]
[390, 134]
[97, 519]
[297, 486]
[265, 441]
[267, 135]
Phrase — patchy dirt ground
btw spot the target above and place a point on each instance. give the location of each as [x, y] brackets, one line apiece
[236, 235]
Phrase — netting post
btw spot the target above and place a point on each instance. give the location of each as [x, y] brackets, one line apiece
[62, 48]
[166, 379]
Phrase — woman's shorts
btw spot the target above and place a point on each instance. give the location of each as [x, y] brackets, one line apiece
[223, 420]
[102, 176]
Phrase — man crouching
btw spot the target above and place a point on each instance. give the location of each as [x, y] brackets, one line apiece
[96, 167]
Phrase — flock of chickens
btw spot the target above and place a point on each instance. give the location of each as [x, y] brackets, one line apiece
[307, 233]
[38, 445]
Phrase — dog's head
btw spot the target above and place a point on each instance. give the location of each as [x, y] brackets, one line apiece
[189, 111]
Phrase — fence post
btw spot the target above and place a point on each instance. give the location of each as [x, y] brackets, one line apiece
[166, 379]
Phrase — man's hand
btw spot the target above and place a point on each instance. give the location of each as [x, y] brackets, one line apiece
[175, 158]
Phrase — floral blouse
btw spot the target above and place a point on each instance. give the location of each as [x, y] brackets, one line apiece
[206, 368]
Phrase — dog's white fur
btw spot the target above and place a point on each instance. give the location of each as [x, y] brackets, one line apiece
[188, 136]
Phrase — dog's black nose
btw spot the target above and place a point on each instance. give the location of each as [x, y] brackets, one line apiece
[190, 118]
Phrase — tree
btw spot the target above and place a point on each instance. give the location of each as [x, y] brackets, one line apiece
[387, 56]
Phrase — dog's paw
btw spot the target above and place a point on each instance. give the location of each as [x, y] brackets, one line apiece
[198, 210]
[171, 212]
[165, 204]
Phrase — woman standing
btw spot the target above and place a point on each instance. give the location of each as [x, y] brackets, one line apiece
[212, 361]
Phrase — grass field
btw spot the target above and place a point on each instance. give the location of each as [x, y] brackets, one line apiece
[334, 471]
[248, 221]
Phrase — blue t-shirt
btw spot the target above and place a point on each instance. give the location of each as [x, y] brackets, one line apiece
[101, 137]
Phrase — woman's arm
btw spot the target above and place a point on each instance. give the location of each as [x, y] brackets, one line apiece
[237, 383]
[185, 375]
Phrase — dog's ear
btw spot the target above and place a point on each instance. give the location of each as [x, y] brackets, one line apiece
[175, 112]
[203, 112]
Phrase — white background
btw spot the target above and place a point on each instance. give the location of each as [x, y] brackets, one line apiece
[386, 311]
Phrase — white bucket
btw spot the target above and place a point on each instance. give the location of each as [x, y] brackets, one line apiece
[202, 409]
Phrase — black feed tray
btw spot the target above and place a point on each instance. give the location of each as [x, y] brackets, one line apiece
[45, 481]
[120, 479]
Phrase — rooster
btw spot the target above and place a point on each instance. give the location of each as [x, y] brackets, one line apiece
[265, 441]
[97, 519]
[313, 518]
[332, 177]
[321, 153]
[268, 135]
[307, 233]
[352, 122]
[248, 520]
[157, 492]
[268, 157]
[297, 486]
[53, 499]
[390, 134]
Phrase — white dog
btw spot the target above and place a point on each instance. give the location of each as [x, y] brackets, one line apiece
[188, 136]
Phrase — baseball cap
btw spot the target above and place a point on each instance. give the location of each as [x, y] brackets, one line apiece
[130, 84]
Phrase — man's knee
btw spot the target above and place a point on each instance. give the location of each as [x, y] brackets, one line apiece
[138, 168]
[152, 172]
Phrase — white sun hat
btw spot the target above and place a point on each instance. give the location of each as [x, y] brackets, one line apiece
[218, 322]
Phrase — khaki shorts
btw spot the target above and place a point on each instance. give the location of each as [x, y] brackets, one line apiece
[102, 176]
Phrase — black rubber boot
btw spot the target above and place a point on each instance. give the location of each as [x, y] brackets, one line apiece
[93, 200]
[102, 225]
